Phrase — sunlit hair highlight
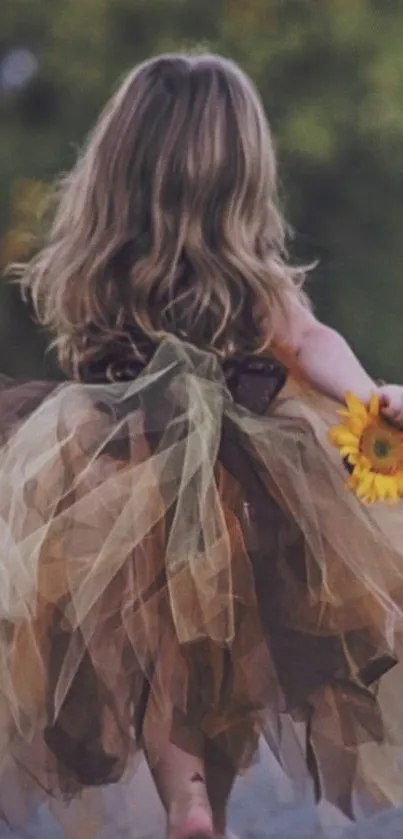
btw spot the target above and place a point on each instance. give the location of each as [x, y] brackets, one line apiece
[168, 223]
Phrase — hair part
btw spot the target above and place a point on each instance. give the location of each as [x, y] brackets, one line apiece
[168, 223]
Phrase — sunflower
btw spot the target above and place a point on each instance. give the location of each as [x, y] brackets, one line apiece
[372, 449]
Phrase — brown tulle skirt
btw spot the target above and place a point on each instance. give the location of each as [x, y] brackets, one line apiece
[170, 556]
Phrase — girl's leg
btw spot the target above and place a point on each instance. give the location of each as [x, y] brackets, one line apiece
[179, 777]
[194, 779]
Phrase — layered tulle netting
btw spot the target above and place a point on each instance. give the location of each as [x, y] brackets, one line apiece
[168, 554]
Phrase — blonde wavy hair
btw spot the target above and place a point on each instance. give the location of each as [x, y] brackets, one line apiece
[168, 223]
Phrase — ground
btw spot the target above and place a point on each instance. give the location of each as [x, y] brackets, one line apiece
[254, 814]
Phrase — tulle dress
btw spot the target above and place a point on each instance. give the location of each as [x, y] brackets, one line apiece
[178, 545]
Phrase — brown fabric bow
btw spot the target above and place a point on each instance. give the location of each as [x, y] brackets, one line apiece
[254, 382]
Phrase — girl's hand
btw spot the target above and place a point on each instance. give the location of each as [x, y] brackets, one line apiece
[391, 402]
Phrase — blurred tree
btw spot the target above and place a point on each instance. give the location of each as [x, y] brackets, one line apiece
[331, 75]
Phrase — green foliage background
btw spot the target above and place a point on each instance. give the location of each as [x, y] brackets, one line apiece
[331, 75]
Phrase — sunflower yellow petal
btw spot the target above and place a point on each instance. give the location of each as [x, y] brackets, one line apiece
[392, 492]
[374, 405]
[371, 496]
[353, 485]
[381, 487]
[365, 484]
[394, 495]
[353, 481]
[364, 462]
[334, 431]
[355, 424]
[367, 480]
[352, 458]
[355, 406]
[339, 435]
[347, 451]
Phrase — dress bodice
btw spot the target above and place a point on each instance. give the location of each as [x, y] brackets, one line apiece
[253, 381]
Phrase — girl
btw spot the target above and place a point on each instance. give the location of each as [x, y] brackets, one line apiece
[182, 568]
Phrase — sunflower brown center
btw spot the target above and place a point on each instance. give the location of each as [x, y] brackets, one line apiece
[383, 448]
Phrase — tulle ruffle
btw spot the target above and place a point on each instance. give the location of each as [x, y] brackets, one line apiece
[167, 554]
